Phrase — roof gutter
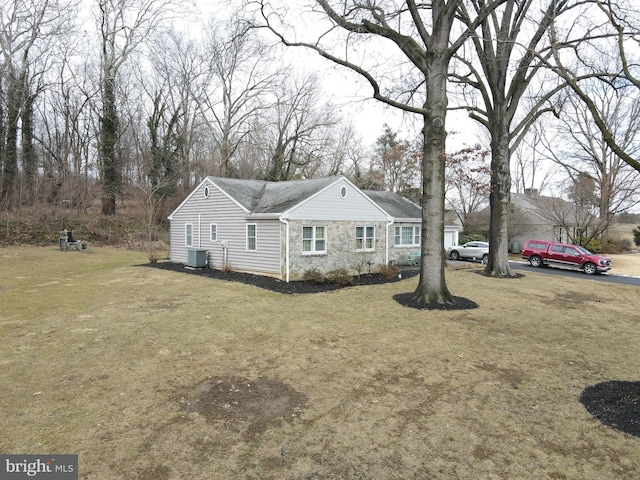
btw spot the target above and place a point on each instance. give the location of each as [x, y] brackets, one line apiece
[263, 216]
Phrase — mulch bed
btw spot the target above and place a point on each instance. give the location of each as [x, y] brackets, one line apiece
[303, 287]
[279, 286]
[616, 404]
[459, 303]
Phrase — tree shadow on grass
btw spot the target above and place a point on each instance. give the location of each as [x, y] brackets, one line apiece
[616, 404]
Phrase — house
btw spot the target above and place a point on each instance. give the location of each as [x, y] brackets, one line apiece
[545, 218]
[283, 229]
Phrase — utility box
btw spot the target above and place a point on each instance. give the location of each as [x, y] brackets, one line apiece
[197, 258]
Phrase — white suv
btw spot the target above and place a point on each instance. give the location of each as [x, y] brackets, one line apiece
[476, 251]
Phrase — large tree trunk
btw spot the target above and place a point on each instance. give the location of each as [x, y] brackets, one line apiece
[29, 159]
[111, 172]
[500, 202]
[10, 160]
[432, 288]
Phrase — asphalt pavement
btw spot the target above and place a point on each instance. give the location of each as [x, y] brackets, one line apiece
[609, 277]
[524, 267]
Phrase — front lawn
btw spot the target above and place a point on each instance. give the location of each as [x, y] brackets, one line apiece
[153, 374]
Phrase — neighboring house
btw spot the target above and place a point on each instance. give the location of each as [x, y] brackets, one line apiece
[283, 229]
[535, 216]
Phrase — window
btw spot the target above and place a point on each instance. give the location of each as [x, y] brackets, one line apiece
[343, 192]
[206, 192]
[188, 235]
[365, 238]
[537, 245]
[314, 239]
[252, 237]
[213, 232]
[407, 236]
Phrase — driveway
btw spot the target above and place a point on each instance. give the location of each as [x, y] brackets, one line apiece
[605, 277]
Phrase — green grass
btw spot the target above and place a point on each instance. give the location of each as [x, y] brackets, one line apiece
[102, 358]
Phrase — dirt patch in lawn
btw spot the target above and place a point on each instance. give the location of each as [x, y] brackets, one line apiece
[247, 406]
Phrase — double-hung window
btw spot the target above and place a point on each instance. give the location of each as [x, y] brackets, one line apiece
[252, 237]
[365, 238]
[314, 239]
[188, 235]
[409, 236]
[213, 232]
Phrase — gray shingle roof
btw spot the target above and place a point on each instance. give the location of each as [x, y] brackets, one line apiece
[395, 205]
[259, 196]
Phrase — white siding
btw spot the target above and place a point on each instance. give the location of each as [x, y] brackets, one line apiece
[329, 205]
[231, 229]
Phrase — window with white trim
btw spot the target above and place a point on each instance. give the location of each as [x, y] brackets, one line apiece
[365, 238]
[407, 236]
[213, 232]
[314, 239]
[252, 236]
[188, 235]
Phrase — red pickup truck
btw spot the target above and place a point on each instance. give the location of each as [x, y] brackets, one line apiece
[541, 253]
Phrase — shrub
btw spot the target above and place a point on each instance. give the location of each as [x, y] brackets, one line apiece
[611, 245]
[636, 236]
[387, 272]
[594, 246]
[340, 276]
[313, 275]
[624, 245]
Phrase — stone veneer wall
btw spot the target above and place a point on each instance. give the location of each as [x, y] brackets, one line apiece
[341, 249]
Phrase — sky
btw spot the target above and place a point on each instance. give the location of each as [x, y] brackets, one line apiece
[354, 95]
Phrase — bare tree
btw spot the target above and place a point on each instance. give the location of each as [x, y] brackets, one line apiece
[297, 121]
[423, 36]
[339, 148]
[584, 152]
[180, 79]
[609, 52]
[530, 164]
[467, 181]
[30, 29]
[241, 77]
[505, 46]
[124, 25]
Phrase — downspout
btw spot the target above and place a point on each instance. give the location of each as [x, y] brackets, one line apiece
[286, 247]
[386, 253]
